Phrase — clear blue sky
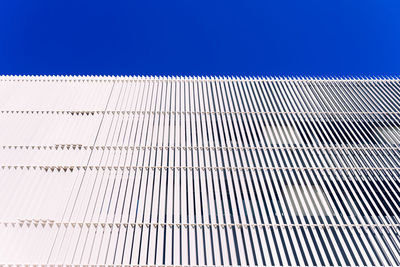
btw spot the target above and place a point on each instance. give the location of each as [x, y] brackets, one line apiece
[207, 37]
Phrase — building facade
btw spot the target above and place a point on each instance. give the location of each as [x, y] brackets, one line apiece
[172, 171]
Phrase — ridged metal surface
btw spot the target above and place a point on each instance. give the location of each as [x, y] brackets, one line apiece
[187, 171]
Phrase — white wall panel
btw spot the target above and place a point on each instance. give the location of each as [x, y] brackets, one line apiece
[199, 171]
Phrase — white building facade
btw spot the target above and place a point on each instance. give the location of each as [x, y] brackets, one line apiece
[173, 171]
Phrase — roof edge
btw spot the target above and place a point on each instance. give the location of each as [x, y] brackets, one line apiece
[191, 78]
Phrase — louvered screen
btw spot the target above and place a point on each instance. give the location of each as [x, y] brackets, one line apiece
[199, 171]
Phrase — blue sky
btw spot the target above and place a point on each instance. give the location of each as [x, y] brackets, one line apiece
[208, 37]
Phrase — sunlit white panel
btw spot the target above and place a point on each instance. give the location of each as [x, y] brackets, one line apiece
[179, 171]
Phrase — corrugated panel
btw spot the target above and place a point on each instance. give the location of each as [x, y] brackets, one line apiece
[199, 171]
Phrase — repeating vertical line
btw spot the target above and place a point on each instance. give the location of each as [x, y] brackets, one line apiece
[199, 171]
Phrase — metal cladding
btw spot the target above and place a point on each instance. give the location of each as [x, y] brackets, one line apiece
[199, 171]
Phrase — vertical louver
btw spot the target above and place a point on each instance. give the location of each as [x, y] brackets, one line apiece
[199, 171]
